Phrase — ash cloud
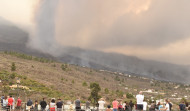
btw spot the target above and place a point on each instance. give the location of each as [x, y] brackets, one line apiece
[108, 24]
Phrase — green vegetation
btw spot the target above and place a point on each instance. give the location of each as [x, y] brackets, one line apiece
[106, 90]
[27, 57]
[94, 96]
[53, 65]
[119, 93]
[34, 86]
[73, 81]
[129, 96]
[64, 67]
[84, 84]
[117, 78]
[13, 67]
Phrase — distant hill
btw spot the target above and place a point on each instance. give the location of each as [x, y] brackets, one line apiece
[14, 39]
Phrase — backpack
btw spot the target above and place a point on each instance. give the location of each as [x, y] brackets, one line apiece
[182, 107]
[29, 103]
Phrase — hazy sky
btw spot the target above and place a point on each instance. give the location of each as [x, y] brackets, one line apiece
[18, 11]
[149, 29]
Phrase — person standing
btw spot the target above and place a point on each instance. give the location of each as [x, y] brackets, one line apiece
[101, 104]
[52, 105]
[13, 107]
[36, 105]
[18, 104]
[29, 104]
[10, 102]
[170, 104]
[115, 105]
[131, 104]
[2, 97]
[182, 106]
[140, 99]
[108, 108]
[59, 105]
[43, 104]
[120, 106]
[167, 107]
[126, 107]
[5, 103]
[78, 105]
[145, 104]
[87, 105]
[152, 107]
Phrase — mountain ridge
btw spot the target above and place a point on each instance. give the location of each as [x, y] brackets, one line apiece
[14, 39]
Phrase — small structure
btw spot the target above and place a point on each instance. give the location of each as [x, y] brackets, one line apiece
[16, 86]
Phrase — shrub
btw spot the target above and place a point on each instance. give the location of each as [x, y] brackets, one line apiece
[117, 78]
[106, 90]
[73, 81]
[84, 84]
[64, 67]
[13, 67]
[129, 96]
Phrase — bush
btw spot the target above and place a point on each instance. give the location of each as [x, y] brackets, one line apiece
[117, 78]
[129, 96]
[13, 67]
[119, 93]
[13, 75]
[106, 90]
[73, 81]
[64, 67]
[84, 84]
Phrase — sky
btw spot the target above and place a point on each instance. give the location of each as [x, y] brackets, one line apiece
[149, 29]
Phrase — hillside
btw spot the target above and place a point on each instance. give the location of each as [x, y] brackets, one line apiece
[71, 81]
[13, 38]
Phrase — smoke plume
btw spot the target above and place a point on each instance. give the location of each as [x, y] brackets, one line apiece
[43, 37]
[139, 28]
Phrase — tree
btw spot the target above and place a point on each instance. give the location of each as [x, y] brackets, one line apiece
[13, 67]
[95, 89]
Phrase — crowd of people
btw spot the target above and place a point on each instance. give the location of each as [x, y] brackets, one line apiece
[142, 105]
[8, 103]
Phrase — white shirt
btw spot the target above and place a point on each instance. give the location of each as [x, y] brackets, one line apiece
[167, 107]
[52, 105]
[124, 105]
[101, 104]
[140, 98]
[144, 106]
[5, 102]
